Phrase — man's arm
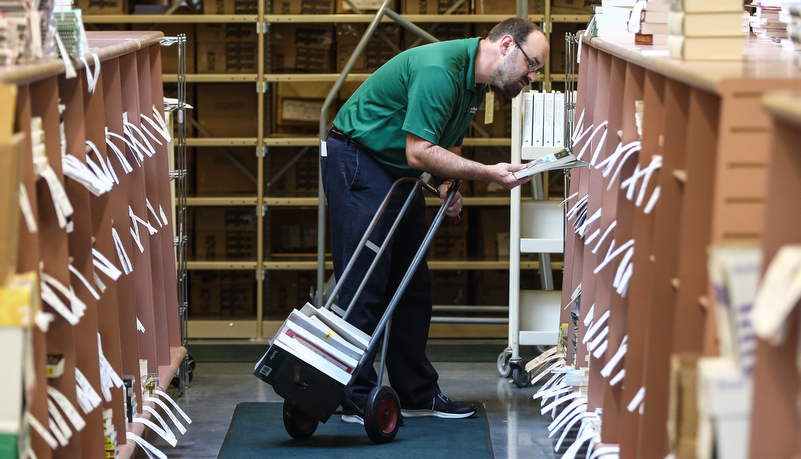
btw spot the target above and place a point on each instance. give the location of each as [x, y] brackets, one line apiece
[439, 162]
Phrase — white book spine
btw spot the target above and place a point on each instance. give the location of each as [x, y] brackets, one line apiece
[528, 102]
[547, 136]
[315, 360]
[539, 107]
[559, 120]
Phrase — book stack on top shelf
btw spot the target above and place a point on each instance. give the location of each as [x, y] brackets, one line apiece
[766, 22]
[611, 19]
[706, 30]
[791, 14]
[653, 24]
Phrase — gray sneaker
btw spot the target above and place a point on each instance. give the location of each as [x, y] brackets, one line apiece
[441, 406]
[353, 419]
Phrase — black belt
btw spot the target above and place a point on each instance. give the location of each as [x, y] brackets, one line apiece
[334, 133]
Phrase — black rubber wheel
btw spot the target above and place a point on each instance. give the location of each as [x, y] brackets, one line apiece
[298, 424]
[503, 364]
[382, 414]
[521, 377]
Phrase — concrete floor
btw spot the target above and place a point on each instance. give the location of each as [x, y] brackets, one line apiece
[517, 429]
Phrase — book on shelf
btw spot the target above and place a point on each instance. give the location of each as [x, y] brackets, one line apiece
[655, 28]
[706, 48]
[707, 6]
[651, 39]
[559, 119]
[654, 17]
[706, 24]
[547, 122]
[528, 103]
[562, 159]
[538, 119]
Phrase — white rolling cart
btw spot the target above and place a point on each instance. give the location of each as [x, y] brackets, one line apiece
[535, 226]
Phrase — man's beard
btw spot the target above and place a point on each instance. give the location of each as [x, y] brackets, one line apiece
[502, 80]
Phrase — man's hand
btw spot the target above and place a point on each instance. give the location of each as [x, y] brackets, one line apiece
[502, 174]
[456, 206]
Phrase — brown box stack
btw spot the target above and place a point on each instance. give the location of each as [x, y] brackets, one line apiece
[289, 290]
[490, 287]
[365, 6]
[489, 155]
[433, 7]
[300, 179]
[293, 232]
[450, 241]
[572, 6]
[302, 48]
[298, 107]
[501, 122]
[222, 294]
[383, 46]
[230, 7]
[227, 48]
[502, 7]
[303, 7]
[227, 110]
[449, 287]
[226, 171]
[557, 53]
[224, 233]
[493, 226]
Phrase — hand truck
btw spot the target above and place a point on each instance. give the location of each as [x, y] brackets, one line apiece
[310, 395]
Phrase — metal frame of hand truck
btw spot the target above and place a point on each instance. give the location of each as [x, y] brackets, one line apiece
[309, 395]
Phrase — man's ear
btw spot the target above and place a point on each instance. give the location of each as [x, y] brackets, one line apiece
[505, 45]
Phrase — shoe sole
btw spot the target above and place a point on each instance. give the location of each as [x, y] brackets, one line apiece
[438, 414]
[352, 419]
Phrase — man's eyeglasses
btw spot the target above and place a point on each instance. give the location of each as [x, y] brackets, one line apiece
[533, 65]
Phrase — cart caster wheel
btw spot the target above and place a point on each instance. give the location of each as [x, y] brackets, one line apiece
[503, 364]
[521, 377]
[190, 371]
[298, 424]
[382, 414]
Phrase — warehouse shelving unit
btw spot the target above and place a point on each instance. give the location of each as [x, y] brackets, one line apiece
[265, 270]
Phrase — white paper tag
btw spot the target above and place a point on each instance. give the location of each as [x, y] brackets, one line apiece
[51, 298]
[323, 149]
[41, 430]
[67, 407]
[27, 210]
[80, 276]
[168, 437]
[167, 410]
[121, 253]
[172, 402]
[149, 449]
[105, 265]
[161, 421]
[61, 423]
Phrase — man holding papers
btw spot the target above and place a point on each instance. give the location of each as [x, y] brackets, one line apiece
[410, 117]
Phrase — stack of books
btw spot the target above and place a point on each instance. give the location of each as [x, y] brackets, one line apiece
[110, 434]
[320, 339]
[706, 30]
[766, 22]
[543, 119]
[791, 15]
[611, 20]
[653, 24]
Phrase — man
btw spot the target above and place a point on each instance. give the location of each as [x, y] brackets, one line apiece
[409, 117]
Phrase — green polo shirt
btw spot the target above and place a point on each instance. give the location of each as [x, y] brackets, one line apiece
[429, 91]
